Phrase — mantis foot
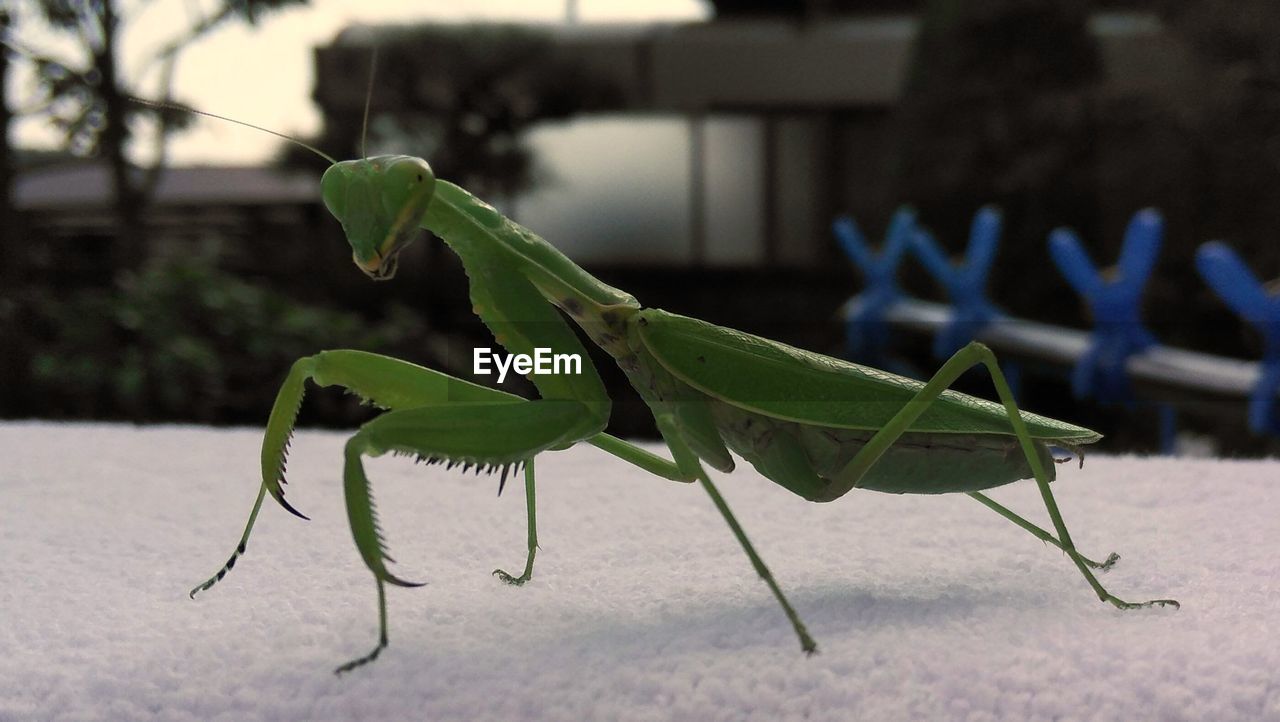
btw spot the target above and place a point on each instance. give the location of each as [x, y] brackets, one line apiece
[514, 581]
[1102, 566]
[1121, 604]
[1106, 565]
[382, 644]
[239, 552]
[204, 586]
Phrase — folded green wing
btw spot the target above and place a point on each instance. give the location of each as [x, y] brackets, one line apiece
[784, 382]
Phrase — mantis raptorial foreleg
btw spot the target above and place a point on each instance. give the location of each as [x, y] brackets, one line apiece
[513, 432]
[972, 355]
[383, 381]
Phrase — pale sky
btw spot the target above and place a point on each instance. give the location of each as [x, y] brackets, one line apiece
[264, 74]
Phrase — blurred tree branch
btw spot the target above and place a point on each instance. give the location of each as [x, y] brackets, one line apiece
[9, 230]
[84, 94]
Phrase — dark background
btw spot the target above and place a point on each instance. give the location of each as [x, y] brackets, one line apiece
[150, 306]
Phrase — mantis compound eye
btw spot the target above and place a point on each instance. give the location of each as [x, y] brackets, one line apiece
[380, 202]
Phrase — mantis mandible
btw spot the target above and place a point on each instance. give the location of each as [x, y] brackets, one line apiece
[817, 426]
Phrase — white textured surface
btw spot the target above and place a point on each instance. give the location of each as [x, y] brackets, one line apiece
[642, 605]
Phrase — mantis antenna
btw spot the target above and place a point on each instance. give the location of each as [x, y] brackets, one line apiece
[185, 109]
[174, 106]
[368, 100]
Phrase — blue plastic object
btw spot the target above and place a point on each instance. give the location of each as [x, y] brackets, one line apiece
[966, 282]
[866, 328]
[1114, 302]
[1227, 275]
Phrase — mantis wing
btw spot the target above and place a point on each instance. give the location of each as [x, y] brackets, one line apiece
[792, 384]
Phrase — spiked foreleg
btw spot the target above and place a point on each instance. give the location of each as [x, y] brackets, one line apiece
[487, 436]
[364, 527]
[379, 380]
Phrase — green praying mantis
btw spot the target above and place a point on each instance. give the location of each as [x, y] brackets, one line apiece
[817, 426]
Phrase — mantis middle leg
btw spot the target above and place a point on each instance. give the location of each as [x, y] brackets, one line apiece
[687, 468]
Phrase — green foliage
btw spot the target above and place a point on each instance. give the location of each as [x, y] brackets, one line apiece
[179, 341]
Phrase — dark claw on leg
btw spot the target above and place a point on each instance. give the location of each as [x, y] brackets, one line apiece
[515, 581]
[1106, 564]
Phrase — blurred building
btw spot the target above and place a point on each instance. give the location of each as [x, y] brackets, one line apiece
[729, 143]
[254, 215]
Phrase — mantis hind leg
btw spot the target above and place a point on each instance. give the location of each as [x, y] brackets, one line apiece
[971, 355]
[1039, 533]
[981, 354]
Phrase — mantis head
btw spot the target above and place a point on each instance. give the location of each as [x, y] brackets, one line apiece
[380, 202]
